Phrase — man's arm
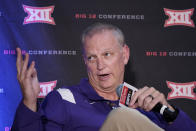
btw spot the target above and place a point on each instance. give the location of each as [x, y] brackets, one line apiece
[145, 100]
[182, 123]
[27, 118]
[28, 80]
[52, 115]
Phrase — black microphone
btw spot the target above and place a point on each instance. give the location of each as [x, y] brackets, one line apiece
[125, 91]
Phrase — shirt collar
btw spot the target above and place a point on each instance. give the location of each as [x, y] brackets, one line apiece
[89, 91]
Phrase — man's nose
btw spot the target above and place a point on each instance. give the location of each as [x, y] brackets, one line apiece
[100, 64]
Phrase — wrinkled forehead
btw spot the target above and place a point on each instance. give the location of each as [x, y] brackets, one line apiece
[93, 32]
[104, 39]
[102, 33]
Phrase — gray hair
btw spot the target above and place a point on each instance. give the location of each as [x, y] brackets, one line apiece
[100, 27]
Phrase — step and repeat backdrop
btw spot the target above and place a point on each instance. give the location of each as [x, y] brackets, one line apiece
[161, 36]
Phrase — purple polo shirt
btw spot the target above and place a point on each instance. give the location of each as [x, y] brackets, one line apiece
[81, 110]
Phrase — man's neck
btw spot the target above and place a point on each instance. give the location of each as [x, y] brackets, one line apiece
[108, 95]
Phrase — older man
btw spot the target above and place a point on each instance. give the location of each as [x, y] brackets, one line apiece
[85, 107]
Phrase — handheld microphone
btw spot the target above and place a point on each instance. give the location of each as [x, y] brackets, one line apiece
[126, 91]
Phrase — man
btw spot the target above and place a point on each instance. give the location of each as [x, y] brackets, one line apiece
[85, 107]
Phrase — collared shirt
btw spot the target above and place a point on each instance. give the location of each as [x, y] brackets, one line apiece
[80, 108]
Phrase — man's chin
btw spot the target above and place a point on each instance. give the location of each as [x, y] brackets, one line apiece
[106, 85]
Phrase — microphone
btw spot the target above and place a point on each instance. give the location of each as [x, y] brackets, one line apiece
[125, 91]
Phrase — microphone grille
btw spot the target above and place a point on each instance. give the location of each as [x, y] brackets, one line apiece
[119, 89]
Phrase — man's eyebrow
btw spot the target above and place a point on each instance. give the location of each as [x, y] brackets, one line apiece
[89, 54]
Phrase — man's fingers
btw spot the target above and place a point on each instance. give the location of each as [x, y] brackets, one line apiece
[149, 99]
[30, 72]
[134, 105]
[158, 97]
[147, 102]
[24, 66]
[19, 60]
[145, 94]
[136, 95]
[34, 72]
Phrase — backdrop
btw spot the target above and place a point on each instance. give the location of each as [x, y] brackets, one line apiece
[160, 34]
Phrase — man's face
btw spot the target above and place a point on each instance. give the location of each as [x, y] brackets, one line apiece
[105, 59]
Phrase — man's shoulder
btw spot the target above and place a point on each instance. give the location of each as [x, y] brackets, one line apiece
[68, 94]
[60, 98]
[72, 94]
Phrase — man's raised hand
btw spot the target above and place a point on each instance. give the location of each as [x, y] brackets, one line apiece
[27, 77]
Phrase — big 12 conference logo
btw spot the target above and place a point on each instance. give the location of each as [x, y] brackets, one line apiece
[181, 90]
[46, 87]
[39, 14]
[179, 17]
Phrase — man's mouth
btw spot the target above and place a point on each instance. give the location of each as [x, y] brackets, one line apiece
[103, 76]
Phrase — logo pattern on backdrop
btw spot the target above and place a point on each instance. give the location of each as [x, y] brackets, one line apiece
[39, 14]
[46, 87]
[181, 90]
[179, 17]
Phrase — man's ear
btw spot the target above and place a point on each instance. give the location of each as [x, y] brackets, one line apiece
[126, 53]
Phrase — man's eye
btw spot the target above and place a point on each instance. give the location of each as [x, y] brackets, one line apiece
[90, 58]
[107, 54]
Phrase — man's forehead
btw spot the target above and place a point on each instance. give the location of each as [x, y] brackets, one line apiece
[103, 41]
[103, 37]
[101, 49]
[100, 33]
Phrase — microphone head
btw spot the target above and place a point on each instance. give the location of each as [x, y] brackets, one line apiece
[119, 90]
